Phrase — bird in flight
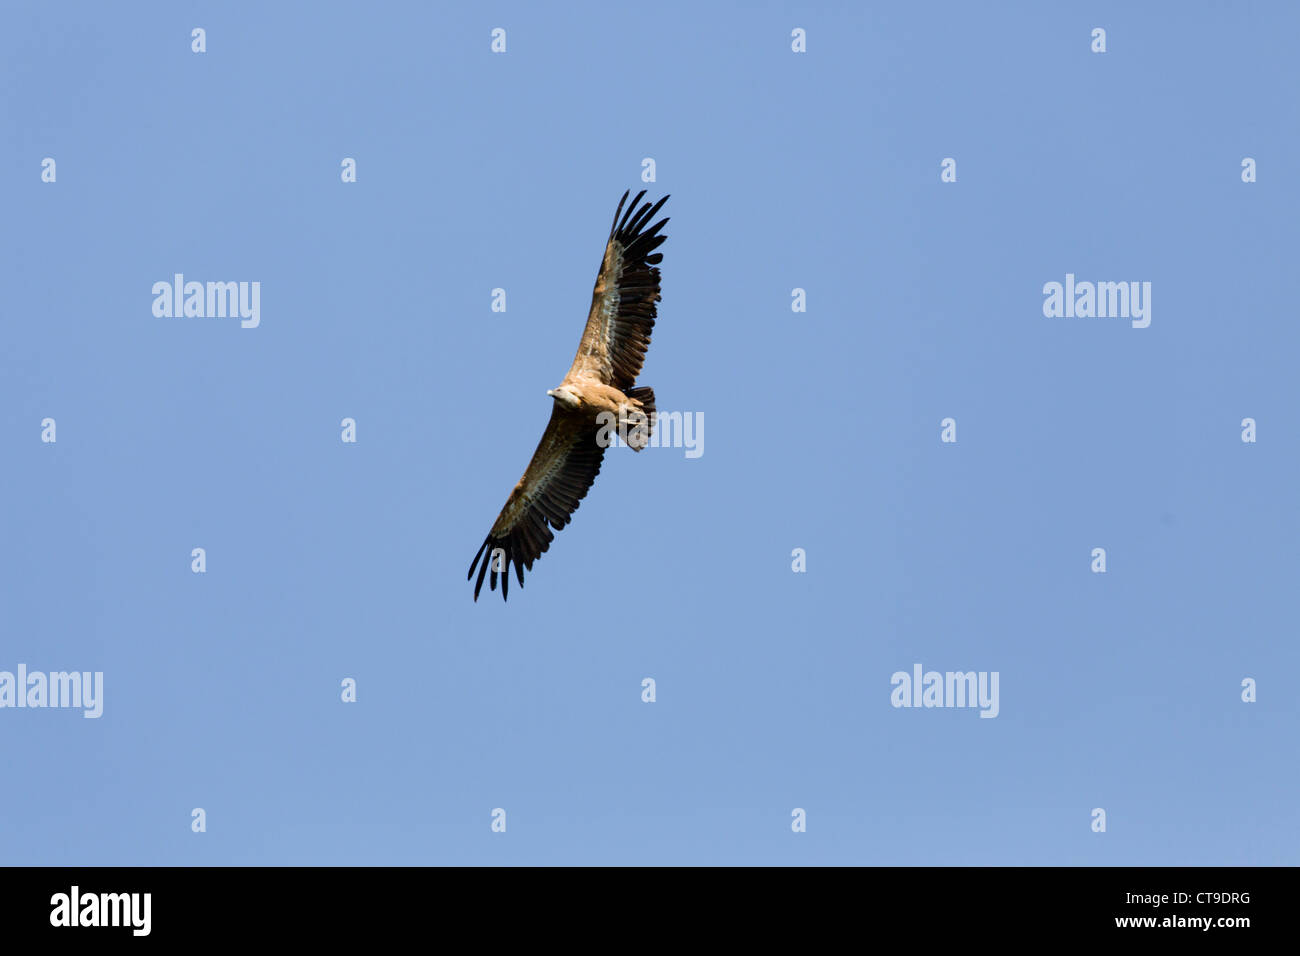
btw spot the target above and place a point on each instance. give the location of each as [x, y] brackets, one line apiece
[597, 396]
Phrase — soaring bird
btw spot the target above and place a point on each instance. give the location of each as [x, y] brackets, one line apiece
[596, 398]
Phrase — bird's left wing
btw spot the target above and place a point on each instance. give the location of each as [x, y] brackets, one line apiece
[565, 464]
[622, 313]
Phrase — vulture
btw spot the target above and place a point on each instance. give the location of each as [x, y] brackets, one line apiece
[597, 396]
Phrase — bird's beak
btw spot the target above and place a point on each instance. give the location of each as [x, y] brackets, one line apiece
[550, 392]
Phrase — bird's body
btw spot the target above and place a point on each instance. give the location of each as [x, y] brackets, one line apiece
[597, 398]
[590, 397]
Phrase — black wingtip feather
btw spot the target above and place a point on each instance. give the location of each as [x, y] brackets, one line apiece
[613, 228]
[482, 572]
[474, 563]
[646, 214]
[628, 215]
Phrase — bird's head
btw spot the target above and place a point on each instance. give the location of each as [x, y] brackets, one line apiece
[564, 395]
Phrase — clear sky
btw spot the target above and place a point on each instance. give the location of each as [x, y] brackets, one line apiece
[822, 171]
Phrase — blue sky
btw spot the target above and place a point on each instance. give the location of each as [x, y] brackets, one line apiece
[820, 171]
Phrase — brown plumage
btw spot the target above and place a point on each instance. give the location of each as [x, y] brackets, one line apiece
[600, 380]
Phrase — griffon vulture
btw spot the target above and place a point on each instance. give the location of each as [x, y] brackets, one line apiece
[596, 396]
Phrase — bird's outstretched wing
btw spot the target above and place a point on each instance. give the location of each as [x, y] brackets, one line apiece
[623, 302]
[565, 464]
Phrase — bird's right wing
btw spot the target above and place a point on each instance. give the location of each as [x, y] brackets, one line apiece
[565, 464]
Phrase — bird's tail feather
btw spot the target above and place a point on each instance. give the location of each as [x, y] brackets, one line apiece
[638, 437]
